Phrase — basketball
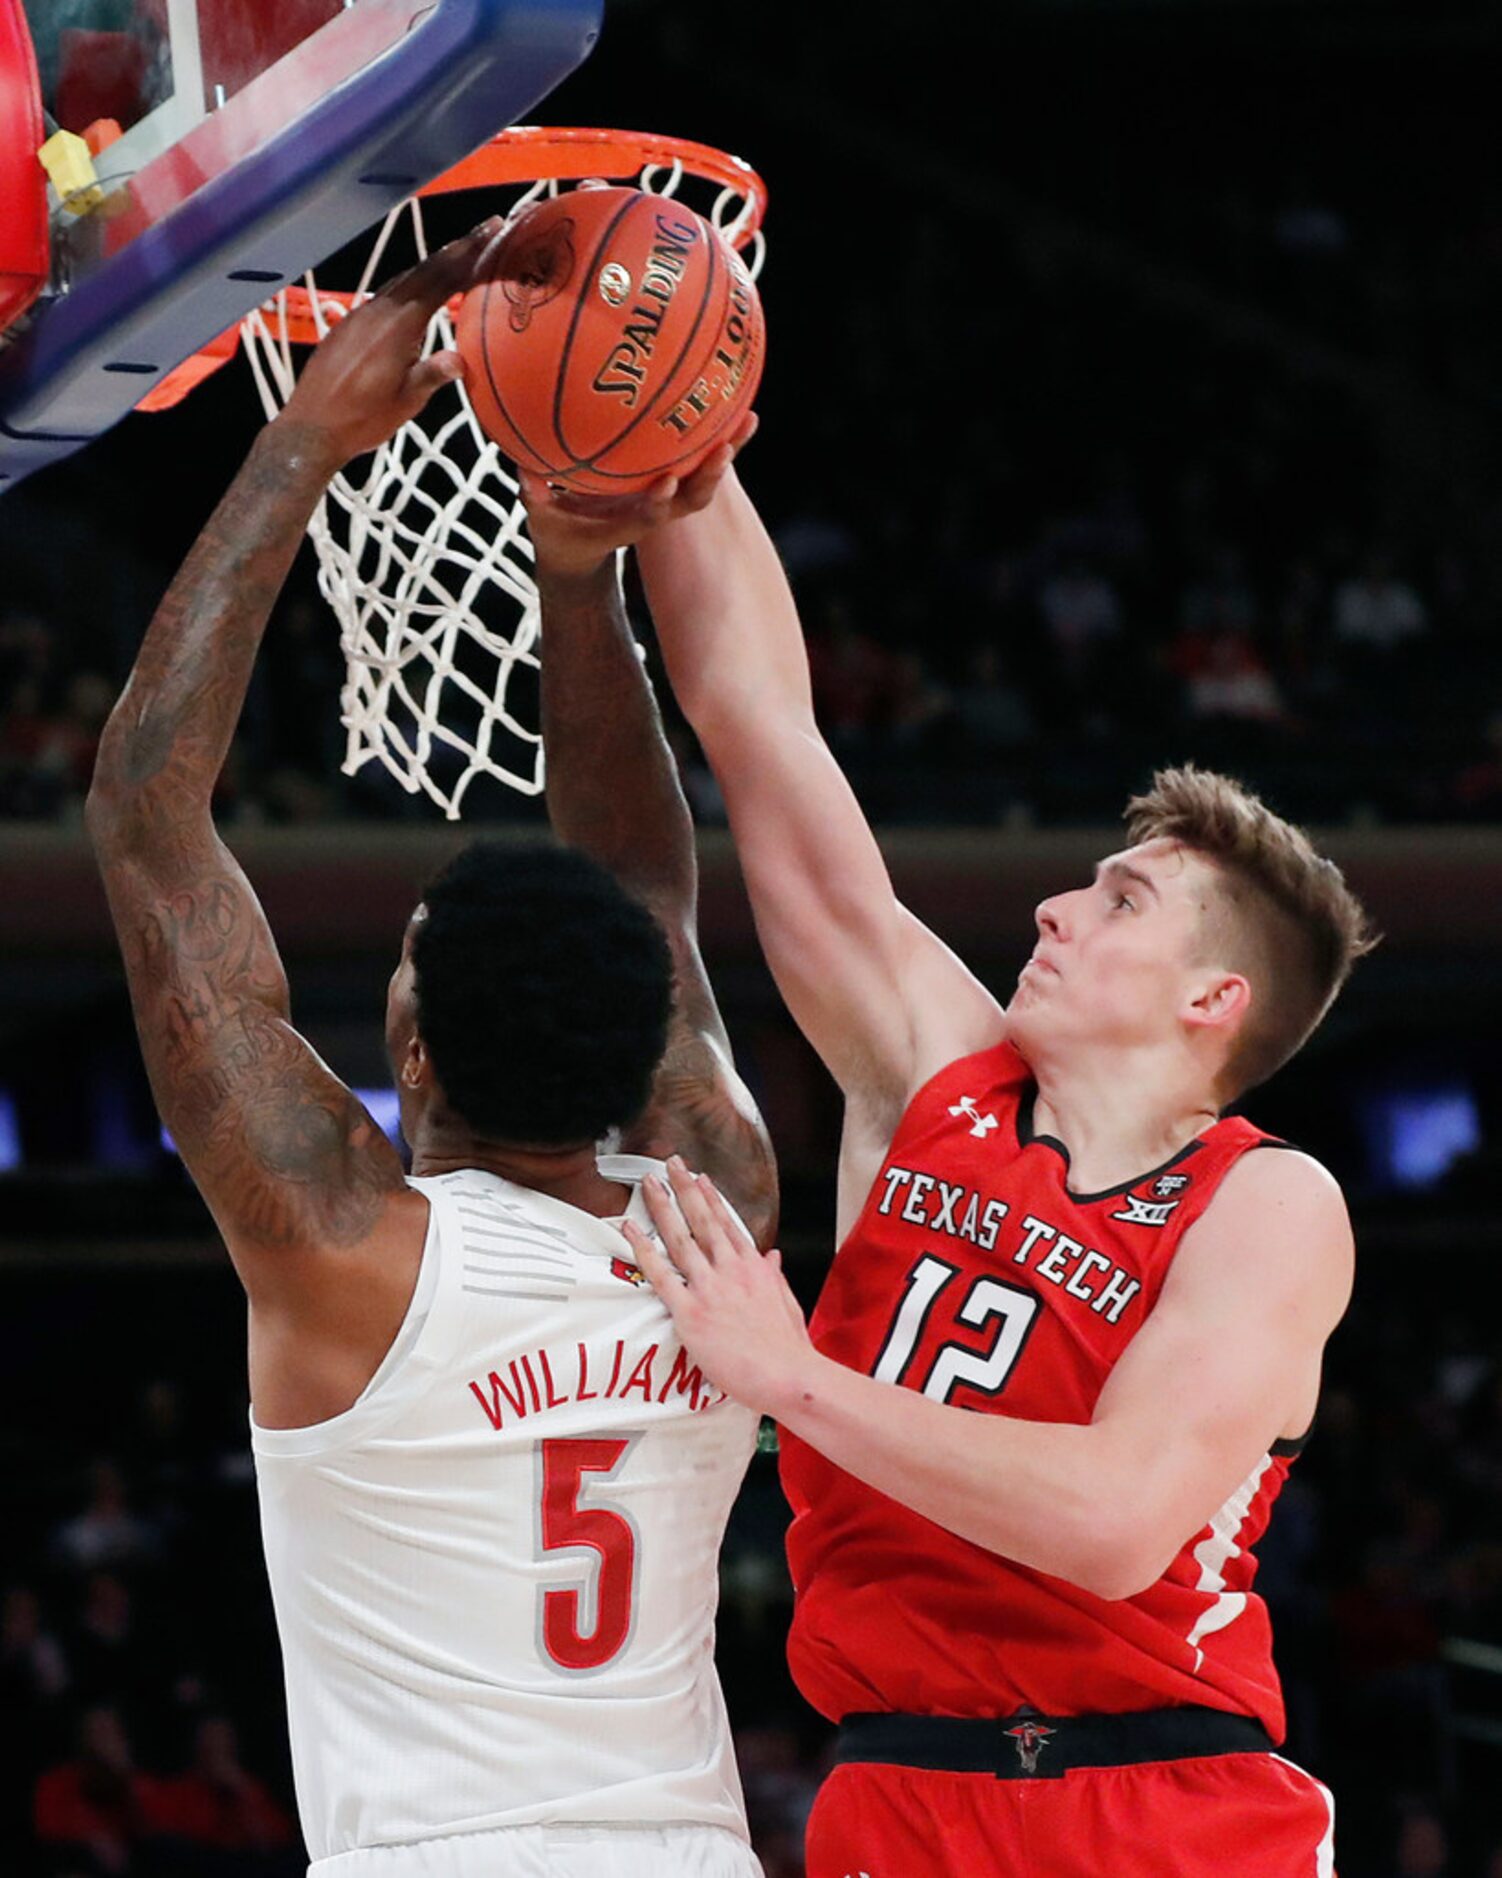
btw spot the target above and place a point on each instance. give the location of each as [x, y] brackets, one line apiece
[615, 337]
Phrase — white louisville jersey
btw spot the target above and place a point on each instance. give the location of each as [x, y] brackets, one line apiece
[495, 1576]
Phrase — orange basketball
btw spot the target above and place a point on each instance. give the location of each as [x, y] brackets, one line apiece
[615, 337]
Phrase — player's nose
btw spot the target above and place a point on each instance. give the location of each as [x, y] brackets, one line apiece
[1050, 917]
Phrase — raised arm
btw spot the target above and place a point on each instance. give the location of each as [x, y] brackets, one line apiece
[883, 1002]
[613, 792]
[285, 1156]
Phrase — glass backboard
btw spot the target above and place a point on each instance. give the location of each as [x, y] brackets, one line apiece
[238, 142]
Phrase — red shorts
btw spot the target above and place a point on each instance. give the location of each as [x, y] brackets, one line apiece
[1217, 1816]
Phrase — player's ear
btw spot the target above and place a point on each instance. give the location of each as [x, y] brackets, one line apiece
[1218, 1002]
[416, 1069]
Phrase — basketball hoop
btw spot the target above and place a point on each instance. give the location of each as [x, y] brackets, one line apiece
[422, 548]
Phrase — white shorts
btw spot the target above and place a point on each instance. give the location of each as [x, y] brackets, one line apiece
[556, 1852]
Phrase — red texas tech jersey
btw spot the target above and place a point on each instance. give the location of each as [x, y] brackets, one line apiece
[975, 1275]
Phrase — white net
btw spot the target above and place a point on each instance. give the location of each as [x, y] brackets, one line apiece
[423, 551]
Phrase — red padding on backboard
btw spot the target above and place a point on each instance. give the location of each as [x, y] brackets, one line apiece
[100, 74]
[23, 182]
[232, 55]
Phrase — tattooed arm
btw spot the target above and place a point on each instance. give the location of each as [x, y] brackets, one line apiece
[613, 792]
[284, 1155]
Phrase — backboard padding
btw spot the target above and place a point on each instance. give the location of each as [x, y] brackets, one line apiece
[190, 242]
[23, 187]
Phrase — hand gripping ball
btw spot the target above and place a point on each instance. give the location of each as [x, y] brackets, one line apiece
[613, 337]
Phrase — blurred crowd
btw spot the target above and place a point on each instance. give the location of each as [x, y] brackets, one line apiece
[1224, 485]
[130, 1615]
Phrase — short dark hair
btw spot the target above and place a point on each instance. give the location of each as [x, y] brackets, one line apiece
[543, 993]
[1284, 915]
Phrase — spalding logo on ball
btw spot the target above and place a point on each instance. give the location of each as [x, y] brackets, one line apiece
[615, 337]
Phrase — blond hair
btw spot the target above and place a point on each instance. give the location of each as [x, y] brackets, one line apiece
[1283, 916]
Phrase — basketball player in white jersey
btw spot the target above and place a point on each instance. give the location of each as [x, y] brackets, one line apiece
[493, 1487]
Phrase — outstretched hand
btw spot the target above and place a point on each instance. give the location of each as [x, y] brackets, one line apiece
[730, 1303]
[368, 377]
[575, 534]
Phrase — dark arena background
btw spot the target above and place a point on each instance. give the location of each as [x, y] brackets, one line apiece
[1134, 394]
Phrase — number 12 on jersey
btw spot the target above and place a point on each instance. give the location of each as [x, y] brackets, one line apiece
[956, 1363]
[564, 1525]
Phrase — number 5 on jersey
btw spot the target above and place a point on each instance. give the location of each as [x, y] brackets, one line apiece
[956, 1363]
[608, 1542]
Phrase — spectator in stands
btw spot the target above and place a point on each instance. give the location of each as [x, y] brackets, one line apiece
[34, 766]
[811, 543]
[1478, 1462]
[851, 676]
[33, 1726]
[87, 703]
[1307, 223]
[1081, 611]
[106, 1532]
[1230, 681]
[96, 1807]
[33, 1669]
[111, 1660]
[1386, 1638]
[1423, 1848]
[26, 648]
[919, 707]
[1473, 1592]
[993, 713]
[1376, 611]
[1222, 599]
[47, 756]
[1476, 790]
[217, 1806]
[163, 1451]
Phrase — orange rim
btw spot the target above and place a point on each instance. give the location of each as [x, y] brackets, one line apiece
[524, 154]
[529, 154]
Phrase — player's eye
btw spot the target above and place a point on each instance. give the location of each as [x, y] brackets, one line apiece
[1123, 899]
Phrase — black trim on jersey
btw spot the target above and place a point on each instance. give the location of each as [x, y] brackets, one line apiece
[1287, 1450]
[1026, 1138]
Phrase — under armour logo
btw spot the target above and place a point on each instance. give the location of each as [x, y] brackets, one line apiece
[983, 1123]
[1145, 1212]
[1030, 1741]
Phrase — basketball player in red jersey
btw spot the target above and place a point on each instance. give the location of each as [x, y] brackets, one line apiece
[1072, 1337]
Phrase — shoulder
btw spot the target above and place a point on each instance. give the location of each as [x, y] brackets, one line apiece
[1271, 1173]
[991, 1069]
[1278, 1224]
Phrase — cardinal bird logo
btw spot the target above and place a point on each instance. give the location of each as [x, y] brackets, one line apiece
[535, 268]
[631, 1274]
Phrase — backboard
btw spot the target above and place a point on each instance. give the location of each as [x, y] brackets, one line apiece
[238, 142]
